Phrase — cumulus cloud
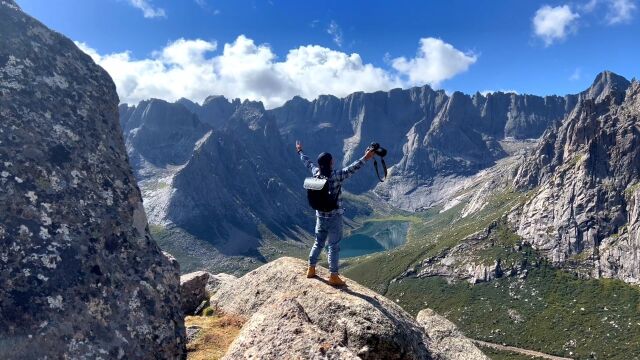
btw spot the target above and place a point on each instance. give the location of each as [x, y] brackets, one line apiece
[620, 11]
[435, 62]
[147, 9]
[197, 68]
[336, 33]
[554, 23]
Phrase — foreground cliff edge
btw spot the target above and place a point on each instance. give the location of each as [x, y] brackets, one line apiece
[80, 275]
[286, 313]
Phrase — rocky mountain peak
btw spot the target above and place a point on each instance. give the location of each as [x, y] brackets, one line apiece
[607, 83]
[163, 133]
[584, 171]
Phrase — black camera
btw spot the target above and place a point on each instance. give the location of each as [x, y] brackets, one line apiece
[382, 152]
[379, 150]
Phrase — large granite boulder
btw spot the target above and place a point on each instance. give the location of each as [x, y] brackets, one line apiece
[447, 342]
[80, 276]
[307, 318]
[193, 290]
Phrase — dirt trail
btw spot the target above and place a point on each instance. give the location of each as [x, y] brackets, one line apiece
[519, 350]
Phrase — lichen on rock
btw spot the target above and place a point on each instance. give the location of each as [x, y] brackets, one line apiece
[80, 275]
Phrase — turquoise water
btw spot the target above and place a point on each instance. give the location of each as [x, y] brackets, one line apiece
[374, 236]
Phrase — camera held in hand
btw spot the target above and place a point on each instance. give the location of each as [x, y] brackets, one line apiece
[382, 152]
[379, 150]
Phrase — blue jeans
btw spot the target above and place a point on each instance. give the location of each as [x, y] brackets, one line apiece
[327, 229]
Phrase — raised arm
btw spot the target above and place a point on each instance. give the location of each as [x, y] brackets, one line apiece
[305, 159]
[310, 165]
[346, 172]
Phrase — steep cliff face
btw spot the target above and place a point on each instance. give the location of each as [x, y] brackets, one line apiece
[160, 133]
[345, 127]
[584, 172]
[237, 180]
[80, 276]
[214, 111]
[429, 134]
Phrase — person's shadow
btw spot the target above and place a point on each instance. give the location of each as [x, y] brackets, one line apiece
[375, 303]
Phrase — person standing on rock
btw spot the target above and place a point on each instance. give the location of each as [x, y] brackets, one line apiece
[329, 223]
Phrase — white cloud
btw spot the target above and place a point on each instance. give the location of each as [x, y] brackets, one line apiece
[336, 33]
[147, 9]
[620, 11]
[576, 75]
[554, 23]
[243, 69]
[435, 62]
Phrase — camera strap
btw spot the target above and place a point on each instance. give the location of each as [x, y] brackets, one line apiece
[384, 168]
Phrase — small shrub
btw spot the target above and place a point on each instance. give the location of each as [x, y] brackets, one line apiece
[208, 312]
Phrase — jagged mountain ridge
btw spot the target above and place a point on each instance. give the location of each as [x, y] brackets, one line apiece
[585, 173]
[434, 141]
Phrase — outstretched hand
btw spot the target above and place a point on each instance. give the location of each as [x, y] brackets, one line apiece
[298, 146]
[369, 153]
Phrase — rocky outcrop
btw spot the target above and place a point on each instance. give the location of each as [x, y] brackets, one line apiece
[217, 280]
[306, 318]
[481, 257]
[584, 172]
[193, 291]
[80, 276]
[447, 342]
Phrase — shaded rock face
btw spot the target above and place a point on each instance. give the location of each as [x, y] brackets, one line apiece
[80, 276]
[584, 171]
[426, 131]
[214, 111]
[193, 290]
[239, 179]
[306, 318]
[160, 133]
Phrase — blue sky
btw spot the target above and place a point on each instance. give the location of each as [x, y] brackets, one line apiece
[550, 47]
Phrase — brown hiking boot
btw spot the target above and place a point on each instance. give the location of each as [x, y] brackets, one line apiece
[335, 280]
[311, 271]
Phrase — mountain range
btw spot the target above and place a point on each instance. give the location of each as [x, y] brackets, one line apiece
[225, 175]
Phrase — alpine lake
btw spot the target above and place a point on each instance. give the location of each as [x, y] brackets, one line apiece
[374, 236]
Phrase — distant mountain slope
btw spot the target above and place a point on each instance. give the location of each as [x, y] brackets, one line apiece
[160, 134]
[238, 179]
[585, 173]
